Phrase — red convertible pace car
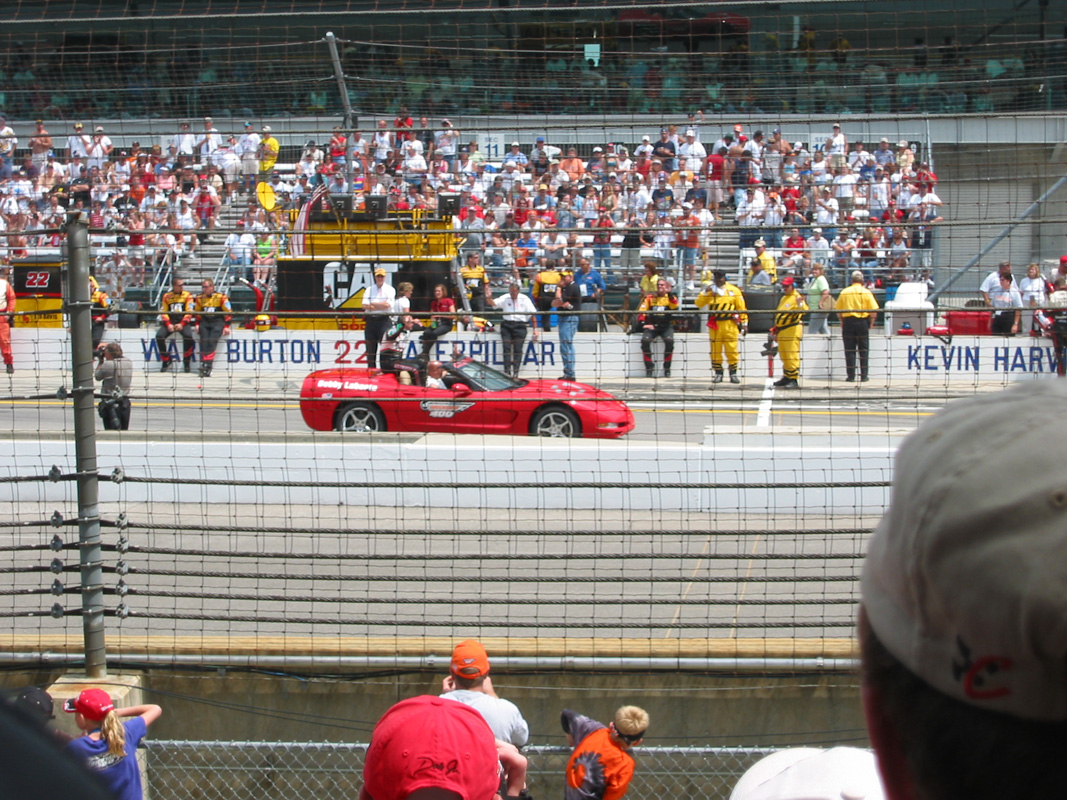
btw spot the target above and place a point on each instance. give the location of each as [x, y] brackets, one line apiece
[476, 399]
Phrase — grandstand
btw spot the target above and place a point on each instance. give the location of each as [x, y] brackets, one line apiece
[706, 565]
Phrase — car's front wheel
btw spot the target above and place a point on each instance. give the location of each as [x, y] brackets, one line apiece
[360, 418]
[557, 422]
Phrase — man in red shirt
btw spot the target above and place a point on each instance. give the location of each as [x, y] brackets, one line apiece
[602, 241]
[713, 168]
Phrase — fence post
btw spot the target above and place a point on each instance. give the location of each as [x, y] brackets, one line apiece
[79, 309]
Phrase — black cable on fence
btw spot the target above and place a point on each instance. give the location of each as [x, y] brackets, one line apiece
[511, 579]
[451, 622]
[524, 601]
[628, 556]
[792, 532]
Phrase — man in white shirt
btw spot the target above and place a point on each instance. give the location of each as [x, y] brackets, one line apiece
[826, 208]
[991, 283]
[837, 148]
[377, 303]
[518, 311]
[99, 149]
[183, 142]
[208, 142]
[845, 189]
[248, 150]
[239, 247]
[77, 142]
[692, 150]
[8, 143]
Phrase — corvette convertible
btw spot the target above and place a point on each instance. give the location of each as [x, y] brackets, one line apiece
[475, 399]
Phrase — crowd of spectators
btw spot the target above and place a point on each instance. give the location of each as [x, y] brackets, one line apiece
[537, 206]
[818, 69]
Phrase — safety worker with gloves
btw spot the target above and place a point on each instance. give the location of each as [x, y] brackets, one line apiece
[654, 319]
[214, 315]
[101, 308]
[726, 320]
[176, 316]
[788, 330]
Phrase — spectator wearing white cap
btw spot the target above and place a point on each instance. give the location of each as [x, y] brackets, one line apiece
[837, 147]
[691, 149]
[810, 773]
[520, 158]
[645, 148]
[884, 155]
[962, 633]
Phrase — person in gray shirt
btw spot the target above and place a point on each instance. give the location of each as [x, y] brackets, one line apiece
[115, 372]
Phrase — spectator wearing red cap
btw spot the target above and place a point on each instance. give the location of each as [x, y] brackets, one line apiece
[470, 684]
[432, 746]
[108, 744]
[600, 768]
[1059, 272]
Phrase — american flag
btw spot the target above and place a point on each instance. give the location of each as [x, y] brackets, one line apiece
[297, 240]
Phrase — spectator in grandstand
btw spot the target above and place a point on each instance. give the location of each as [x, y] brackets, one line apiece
[749, 215]
[826, 212]
[248, 150]
[787, 331]
[1060, 271]
[766, 260]
[856, 309]
[802, 773]
[1007, 301]
[446, 142]
[837, 148]
[269, 149]
[264, 257]
[1033, 290]
[991, 283]
[108, 745]
[884, 155]
[469, 683]
[601, 766]
[655, 320]
[7, 310]
[961, 636]
[757, 277]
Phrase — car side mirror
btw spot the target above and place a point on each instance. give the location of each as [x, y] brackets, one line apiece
[461, 388]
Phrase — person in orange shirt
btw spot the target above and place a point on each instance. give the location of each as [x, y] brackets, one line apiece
[600, 768]
[573, 165]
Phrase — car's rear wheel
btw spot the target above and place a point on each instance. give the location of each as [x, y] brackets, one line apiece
[555, 421]
[360, 418]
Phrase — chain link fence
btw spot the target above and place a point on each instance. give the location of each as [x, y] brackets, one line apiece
[191, 770]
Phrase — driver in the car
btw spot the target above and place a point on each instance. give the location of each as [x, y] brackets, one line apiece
[435, 374]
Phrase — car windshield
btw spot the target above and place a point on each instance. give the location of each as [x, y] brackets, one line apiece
[484, 377]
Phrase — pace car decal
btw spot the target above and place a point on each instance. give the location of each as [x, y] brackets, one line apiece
[443, 409]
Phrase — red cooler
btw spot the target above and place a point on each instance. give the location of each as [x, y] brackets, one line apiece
[969, 323]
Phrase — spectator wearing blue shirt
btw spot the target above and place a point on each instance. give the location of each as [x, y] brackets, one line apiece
[520, 158]
[589, 281]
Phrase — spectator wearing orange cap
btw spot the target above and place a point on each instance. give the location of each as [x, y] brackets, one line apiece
[109, 743]
[470, 684]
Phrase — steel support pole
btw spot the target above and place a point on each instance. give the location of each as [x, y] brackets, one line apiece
[79, 310]
[339, 74]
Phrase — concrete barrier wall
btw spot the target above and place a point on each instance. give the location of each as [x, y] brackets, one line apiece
[600, 356]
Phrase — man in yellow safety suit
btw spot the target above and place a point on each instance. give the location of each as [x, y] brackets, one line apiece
[788, 330]
[726, 319]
